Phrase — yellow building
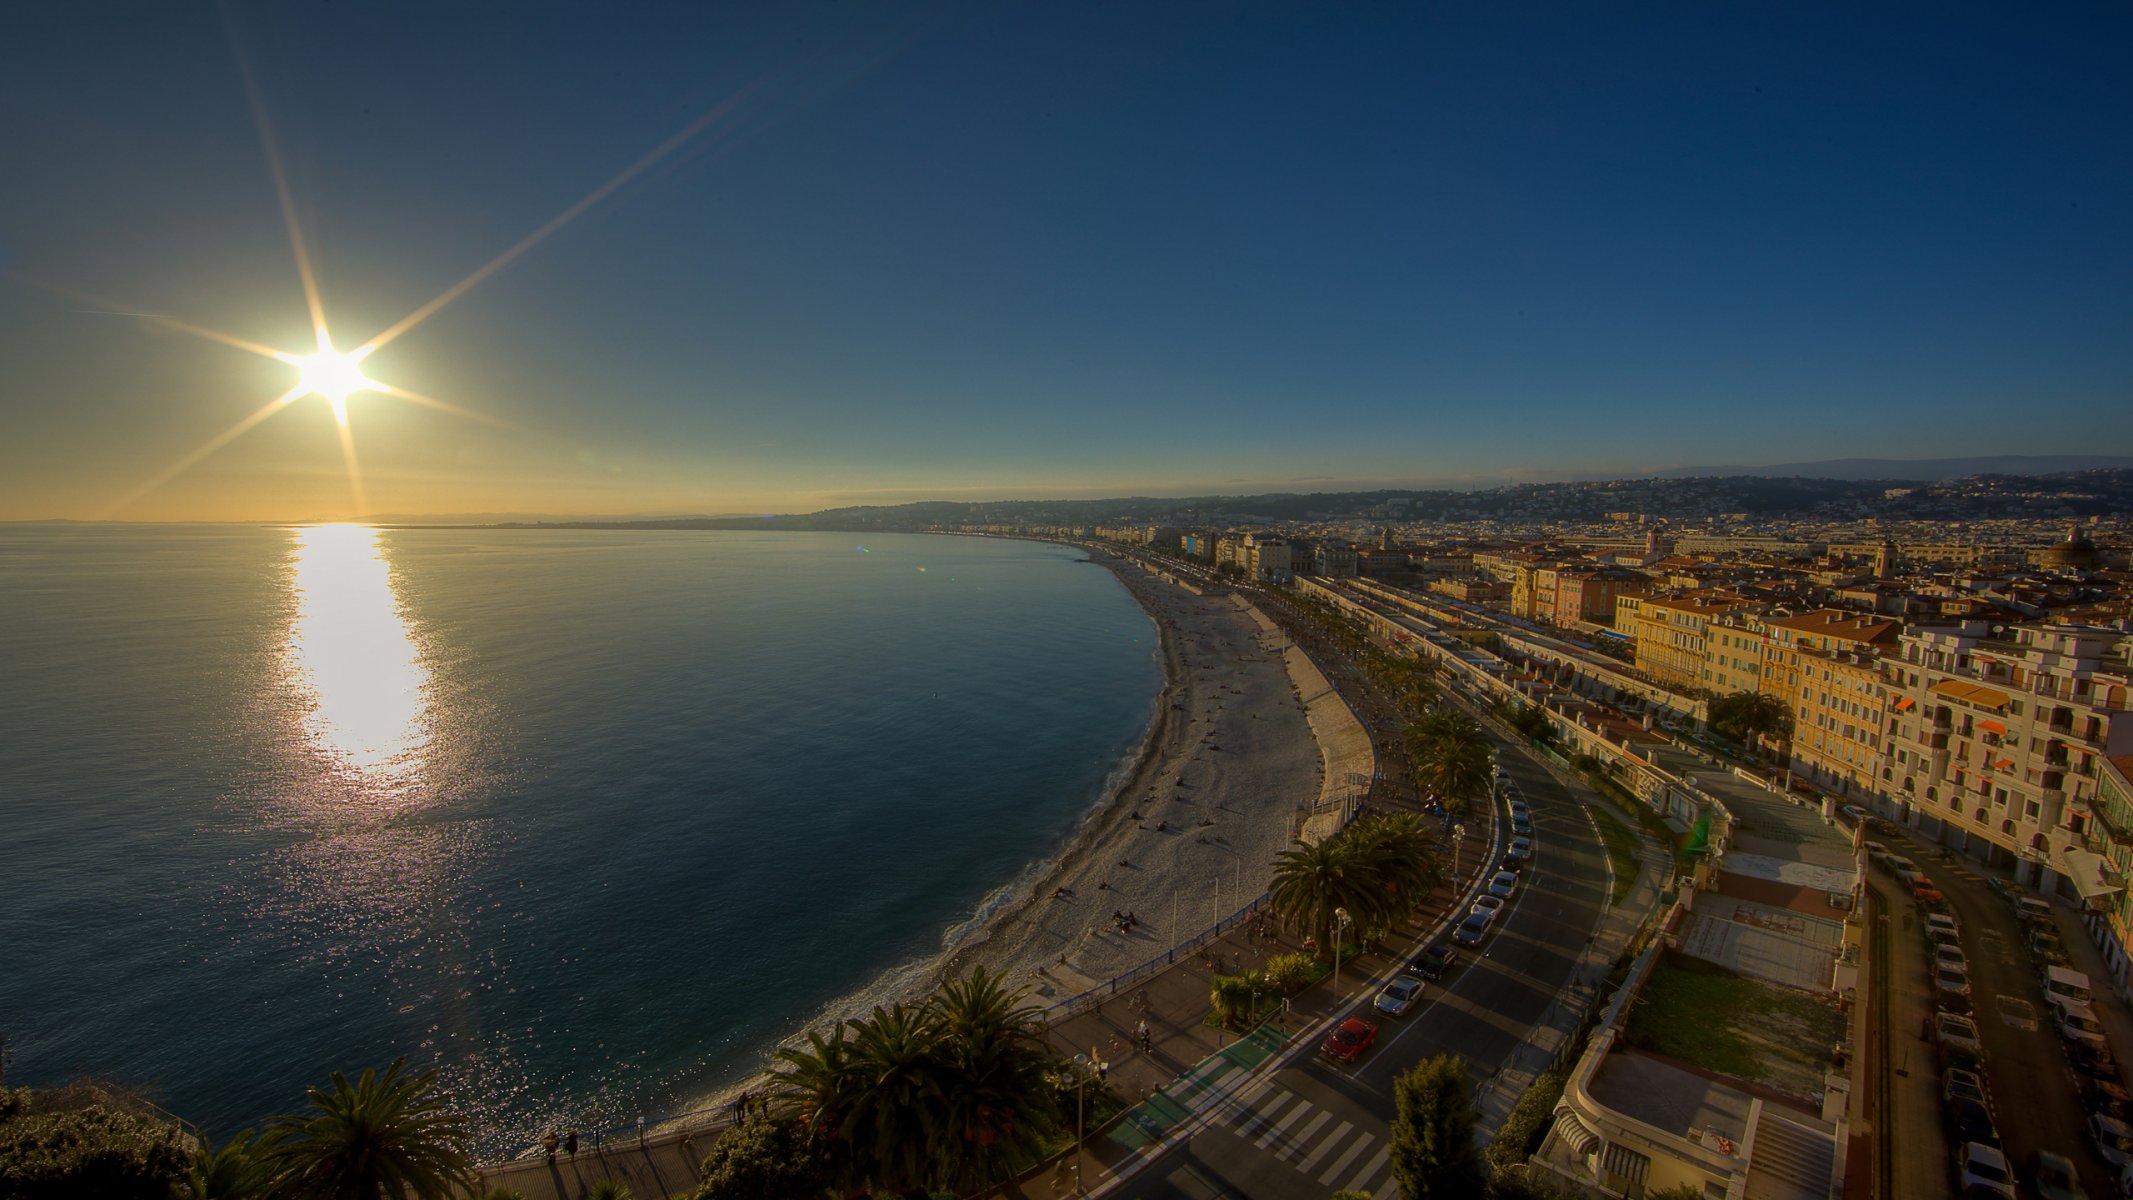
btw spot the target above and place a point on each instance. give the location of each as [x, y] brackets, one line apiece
[1670, 633]
[1826, 666]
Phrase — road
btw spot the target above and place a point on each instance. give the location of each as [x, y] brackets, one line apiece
[1314, 1126]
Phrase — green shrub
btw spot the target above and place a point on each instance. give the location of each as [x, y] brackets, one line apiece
[1521, 1131]
[757, 1158]
[94, 1150]
[1292, 973]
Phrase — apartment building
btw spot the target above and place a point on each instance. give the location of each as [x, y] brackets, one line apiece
[1733, 653]
[1826, 666]
[2109, 839]
[1670, 633]
[1998, 736]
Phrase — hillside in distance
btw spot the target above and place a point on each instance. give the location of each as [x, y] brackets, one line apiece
[1921, 470]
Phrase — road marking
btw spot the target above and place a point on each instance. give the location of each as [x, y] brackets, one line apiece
[1291, 1143]
[1341, 1164]
[1381, 1161]
[1325, 1145]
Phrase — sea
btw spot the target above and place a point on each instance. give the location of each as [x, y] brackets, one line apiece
[590, 821]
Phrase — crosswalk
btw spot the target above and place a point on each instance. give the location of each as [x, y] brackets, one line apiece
[1317, 1143]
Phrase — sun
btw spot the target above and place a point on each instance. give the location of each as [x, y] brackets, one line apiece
[332, 375]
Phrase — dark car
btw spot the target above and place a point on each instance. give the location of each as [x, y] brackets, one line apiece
[1970, 1121]
[1433, 962]
[1349, 1039]
[1472, 930]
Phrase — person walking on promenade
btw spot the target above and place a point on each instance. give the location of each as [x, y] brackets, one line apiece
[570, 1145]
[548, 1143]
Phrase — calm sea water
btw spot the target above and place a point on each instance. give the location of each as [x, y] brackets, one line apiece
[586, 819]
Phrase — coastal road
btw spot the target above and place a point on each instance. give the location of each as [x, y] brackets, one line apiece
[1314, 1126]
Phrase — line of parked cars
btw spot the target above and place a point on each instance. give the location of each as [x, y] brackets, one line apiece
[1981, 1166]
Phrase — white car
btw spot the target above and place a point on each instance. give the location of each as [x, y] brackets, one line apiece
[1951, 979]
[1487, 907]
[1978, 1165]
[1936, 922]
[2113, 1138]
[1398, 996]
[1503, 885]
[1949, 954]
[2078, 1023]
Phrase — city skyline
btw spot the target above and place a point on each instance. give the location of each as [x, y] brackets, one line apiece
[870, 258]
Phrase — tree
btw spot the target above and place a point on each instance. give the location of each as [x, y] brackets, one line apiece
[240, 1170]
[1312, 880]
[1396, 850]
[1433, 1152]
[1747, 716]
[80, 1141]
[762, 1158]
[383, 1136]
[1451, 759]
[995, 1099]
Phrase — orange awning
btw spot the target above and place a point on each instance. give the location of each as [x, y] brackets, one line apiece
[1904, 703]
[1993, 727]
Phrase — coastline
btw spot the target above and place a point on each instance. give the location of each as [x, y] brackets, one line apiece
[1184, 832]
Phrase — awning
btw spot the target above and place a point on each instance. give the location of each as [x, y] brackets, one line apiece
[1971, 693]
[2005, 764]
[1993, 727]
[2087, 873]
[1904, 703]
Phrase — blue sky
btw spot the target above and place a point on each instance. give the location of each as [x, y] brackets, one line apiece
[972, 251]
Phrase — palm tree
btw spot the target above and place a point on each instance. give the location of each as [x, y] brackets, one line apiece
[1312, 880]
[240, 1170]
[1402, 856]
[384, 1136]
[894, 1112]
[996, 1095]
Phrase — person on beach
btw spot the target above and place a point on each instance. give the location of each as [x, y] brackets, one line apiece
[548, 1143]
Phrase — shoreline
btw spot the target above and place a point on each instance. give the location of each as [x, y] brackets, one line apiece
[1194, 825]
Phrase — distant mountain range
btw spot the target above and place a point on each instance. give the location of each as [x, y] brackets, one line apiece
[1919, 470]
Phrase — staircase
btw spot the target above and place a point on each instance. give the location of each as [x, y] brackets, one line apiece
[1791, 1161]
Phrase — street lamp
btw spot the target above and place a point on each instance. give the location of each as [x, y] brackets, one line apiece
[1340, 929]
[1458, 842]
[1088, 1066]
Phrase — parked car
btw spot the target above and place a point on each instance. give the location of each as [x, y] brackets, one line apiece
[1925, 891]
[1503, 884]
[1852, 814]
[1399, 996]
[2113, 1138]
[1950, 954]
[2053, 1177]
[1487, 907]
[1520, 850]
[1953, 979]
[1472, 930]
[1349, 1039]
[2003, 887]
[1956, 1082]
[1942, 921]
[1521, 824]
[2033, 911]
[1970, 1121]
[1956, 1033]
[1938, 938]
[1433, 962]
[1981, 1166]
[1877, 853]
[2078, 1023]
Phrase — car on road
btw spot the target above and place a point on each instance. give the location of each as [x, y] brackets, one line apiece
[1877, 853]
[1950, 978]
[1942, 922]
[1398, 996]
[1982, 1167]
[1520, 850]
[1487, 906]
[1521, 824]
[1950, 954]
[2033, 911]
[1433, 962]
[1940, 939]
[2053, 1177]
[1472, 930]
[1349, 1039]
[1503, 884]
[1852, 814]
[2113, 1138]
[1925, 891]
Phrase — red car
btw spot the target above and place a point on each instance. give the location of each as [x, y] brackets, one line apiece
[1349, 1040]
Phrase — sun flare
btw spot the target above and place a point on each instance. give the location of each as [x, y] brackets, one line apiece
[332, 375]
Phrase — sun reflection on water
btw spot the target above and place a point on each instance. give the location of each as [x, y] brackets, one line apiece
[353, 656]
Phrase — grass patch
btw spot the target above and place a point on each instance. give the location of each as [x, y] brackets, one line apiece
[1707, 1016]
[1653, 823]
[1621, 852]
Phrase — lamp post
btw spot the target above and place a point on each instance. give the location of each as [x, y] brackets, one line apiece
[1087, 1067]
[1458, 843]
[1340, 929]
